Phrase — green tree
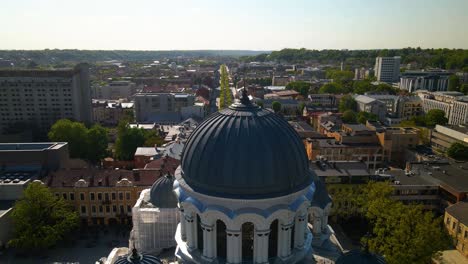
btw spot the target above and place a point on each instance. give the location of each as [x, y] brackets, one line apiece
[362, 117]
[332, 88]
[40, 219]
[404, 234]
[362, 87]
[97, 143]
[300, 87]
[464, 89]
[301, 107]
[349, 116]
[436, 117]
[260, 103]
[74, 133]
[276, 106]
[225, 96]
[128, 140]
[458, 151]
[152, 139]
[338, 76]
[454, 83]
[347, 102]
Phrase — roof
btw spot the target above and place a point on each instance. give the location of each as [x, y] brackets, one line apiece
[444, 174]
[31, 146]
[161, 193]
[360, 257]
[245, 152]
[146, 151]
[136, 258]
[100, 178]
[364, 99]
[340, 168]
[166, 164]
[459, 211]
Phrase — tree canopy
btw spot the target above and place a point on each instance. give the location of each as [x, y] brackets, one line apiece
[349, 116]
[436, 117]
[89, 144]
[300, 87]
[362, 117]
[332, 88]
[40, 219]
[458, 151]
[347, 102]
[404, 234]
[276, 106]
[129, 139]
[225, 96]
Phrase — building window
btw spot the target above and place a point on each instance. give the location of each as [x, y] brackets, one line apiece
[122, 209]
[82, 196]
[120, 196]
[72, 196]
[93, 209]
[114, 208]
[83, 209]
[64, 196]
[101, 209]
[99, 196]
[453, 225]
[107, 209]
[106, 196]
[91, 196]
[466, 235]
[127, 195]
[129, 208]
[113, 196]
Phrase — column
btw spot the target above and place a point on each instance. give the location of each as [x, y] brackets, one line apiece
[234, 246]
[209, 241]
[284, 240]
[261, 246]
[191, 232]
[300, 231]
[183, 223]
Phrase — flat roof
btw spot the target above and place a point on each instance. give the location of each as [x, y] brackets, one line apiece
[31, 146]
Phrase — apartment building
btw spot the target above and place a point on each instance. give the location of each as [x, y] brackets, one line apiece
[41, 97]
[163, 107]
[456, 223]
[115, 90]
[387, 69]
[424, 80]
[110, 112]
[442, 137]
[454, 104]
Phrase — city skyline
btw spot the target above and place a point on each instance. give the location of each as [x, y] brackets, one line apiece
[267, 25]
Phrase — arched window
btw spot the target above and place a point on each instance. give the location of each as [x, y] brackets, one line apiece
[199, 234]
[247, 241]
[221, 242]
[292, 235]
[273, 240]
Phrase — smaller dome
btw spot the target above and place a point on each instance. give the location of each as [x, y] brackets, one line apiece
[137, 258]
[360, 257]
[161, 193]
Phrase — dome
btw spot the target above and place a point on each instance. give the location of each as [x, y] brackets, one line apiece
[137, 258]
[245, 152]
[360, 257]
[161, 194]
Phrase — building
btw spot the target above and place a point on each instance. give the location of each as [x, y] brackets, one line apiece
[144, 155]
[409, 106]
[456, 222]
[155, 217]
[109, 113]
[280, 80]
[387, 69]
[396, 140]
[101, 197]
[454, 104]
[39, 98]
[162, 107]
[442, 137]
[48, 155]
[14, 179]
[371, 105]
[325, 100]
[116, 90]
[240, 203]
[390, 101]
[424, 80]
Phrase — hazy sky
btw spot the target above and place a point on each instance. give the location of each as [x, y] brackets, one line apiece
[233, 24]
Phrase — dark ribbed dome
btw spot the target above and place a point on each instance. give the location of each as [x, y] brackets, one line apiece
[137, 258]
[245, 152]
[360, 257]
[161, 194]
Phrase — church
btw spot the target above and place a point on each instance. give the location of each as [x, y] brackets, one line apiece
[243, 193]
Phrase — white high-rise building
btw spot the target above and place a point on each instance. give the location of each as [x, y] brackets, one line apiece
[387, 69]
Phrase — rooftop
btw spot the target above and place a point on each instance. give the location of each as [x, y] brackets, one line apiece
[459, 211]
[340, 168]
[31, 146]
[146, 151]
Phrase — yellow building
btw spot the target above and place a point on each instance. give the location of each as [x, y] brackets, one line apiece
[456, 222]
[101, 196]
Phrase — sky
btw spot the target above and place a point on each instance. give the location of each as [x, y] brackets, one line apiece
[233, 24]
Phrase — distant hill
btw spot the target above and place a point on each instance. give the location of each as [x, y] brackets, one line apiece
[54, 56]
